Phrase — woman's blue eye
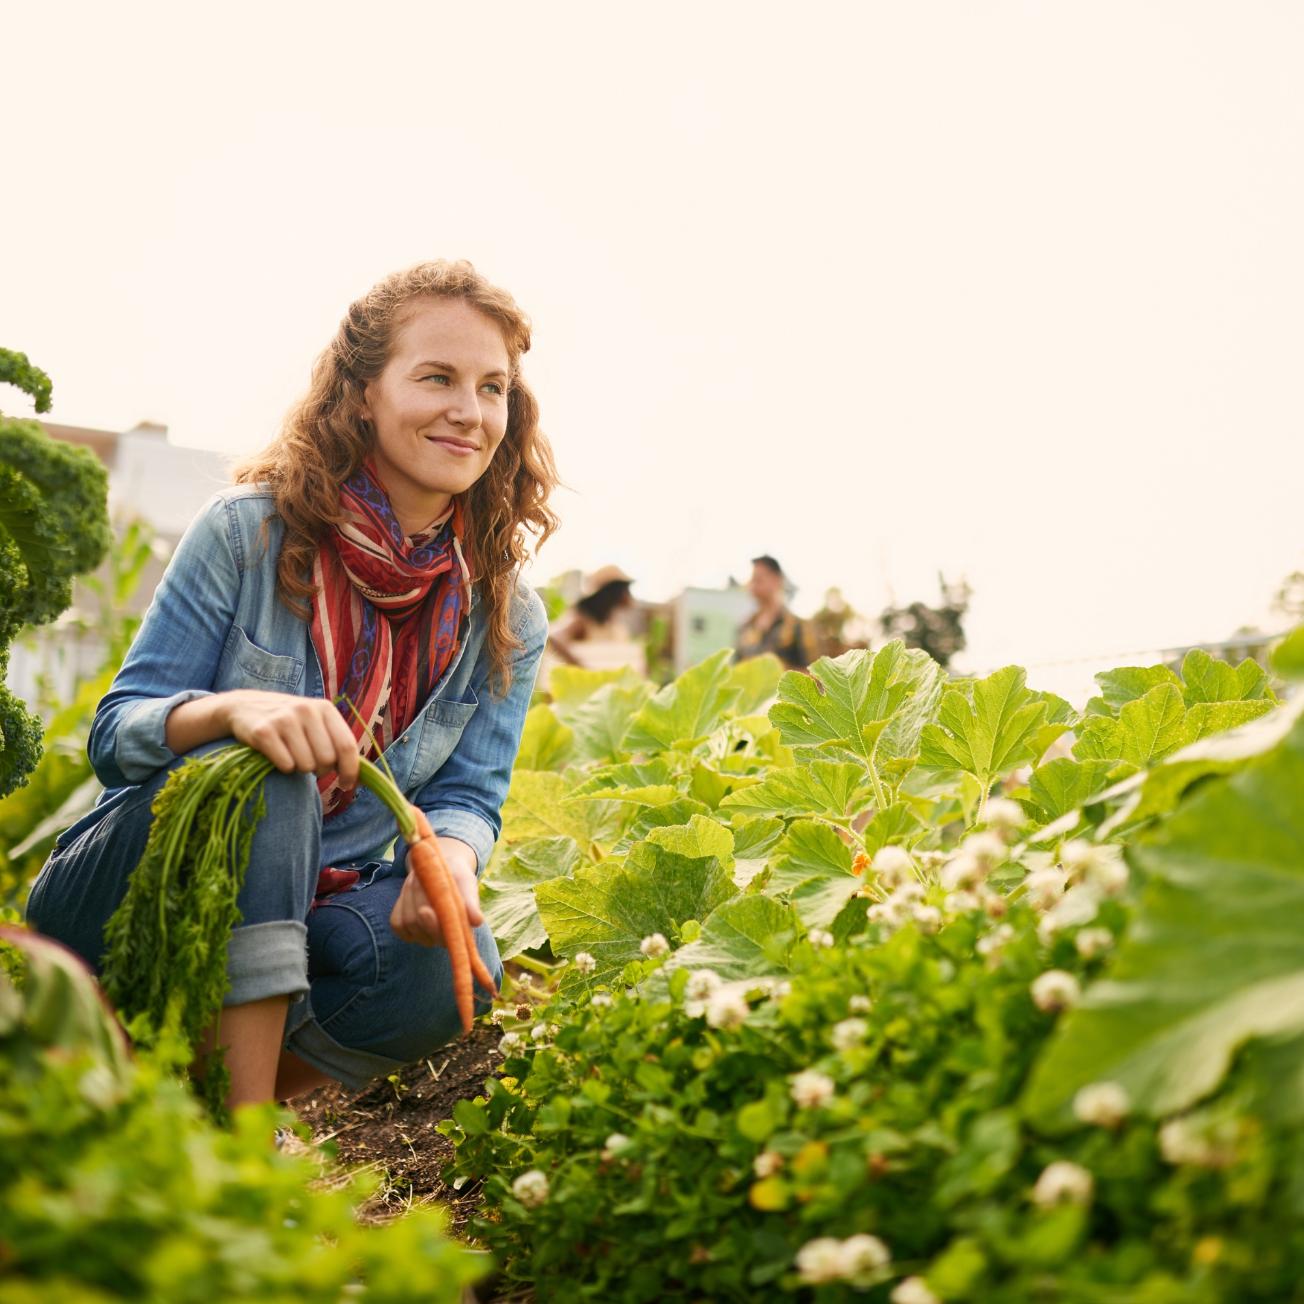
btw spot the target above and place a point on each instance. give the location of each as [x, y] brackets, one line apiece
[436, 377]
[494, 385]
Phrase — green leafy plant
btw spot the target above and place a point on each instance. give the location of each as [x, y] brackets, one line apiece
[53, 525]
[896, 1023]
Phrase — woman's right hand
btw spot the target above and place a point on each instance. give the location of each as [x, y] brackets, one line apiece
[307, 734]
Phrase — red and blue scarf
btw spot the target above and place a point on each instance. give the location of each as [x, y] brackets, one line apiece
[386, 616]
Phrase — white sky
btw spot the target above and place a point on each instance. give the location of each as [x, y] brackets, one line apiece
[1013, 290]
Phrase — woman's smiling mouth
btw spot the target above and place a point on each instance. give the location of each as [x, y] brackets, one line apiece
[461, 447]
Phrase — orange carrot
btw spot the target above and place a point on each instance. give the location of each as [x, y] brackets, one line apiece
[437, 882]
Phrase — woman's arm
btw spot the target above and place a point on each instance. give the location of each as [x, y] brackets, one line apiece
[161, 704]
[174, 656]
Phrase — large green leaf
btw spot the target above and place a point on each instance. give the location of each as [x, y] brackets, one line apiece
[568, 686]
[1209, 680]
[748, 937]
[757, 680]
[821, 788]
[1214, 957]
[987, 730]
[608, 912]
[1063, 785]
[1288, 655]
[507, 892]
[812, 867]
[864, 706]
[1157, 724]
[1145, 731]
[600, 721]
[648, 818]
[540, 805]
[1126, 684]
[686, 710]
[546, 743]
[754, 839]
[699, 838]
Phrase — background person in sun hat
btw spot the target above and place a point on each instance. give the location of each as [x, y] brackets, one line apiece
[370, 555]
[772, 627]
[595, 633]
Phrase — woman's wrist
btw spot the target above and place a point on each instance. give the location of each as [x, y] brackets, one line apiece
[196, 722]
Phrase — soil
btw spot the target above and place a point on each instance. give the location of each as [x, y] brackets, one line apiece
[390, 1126]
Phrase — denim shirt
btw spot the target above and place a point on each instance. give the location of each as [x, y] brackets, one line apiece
[217, 623]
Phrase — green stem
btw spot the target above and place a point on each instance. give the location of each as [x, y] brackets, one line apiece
[385, 788]
[880, 798]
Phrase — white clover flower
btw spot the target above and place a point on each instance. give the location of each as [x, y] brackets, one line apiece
[539, 1032]
[531, 1188]
[1056, 989]
[1183, 1141]
[907, 895]
[615, 1144]
[928, 919]
[1079, 905]
[524, 979]
[859, 1004]
[1091, 942]
[497, 1016]
[1063, 1183]
[1004, 815]
[995, 904]
[864, 1255]
[959, 903]
[1108, 872]
[811, 1089]
[881, 913]
[849, 1033]
[961, 871]
[820, 1261]
[654, 945]
[987, 848]
[913, 1290]
[893, 865]
[510, 1041]
[767, 1163]
[600, 999]
[727, 1009]
[993, 943]
[820, 937]
[1075, 855]
[1102, 1104]
[1045, 887]
[701, 983]
[584, 962]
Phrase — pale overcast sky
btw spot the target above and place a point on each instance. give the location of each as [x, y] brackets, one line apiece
[1013, 290]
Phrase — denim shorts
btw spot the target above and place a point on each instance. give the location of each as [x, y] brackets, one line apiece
[363, 1002]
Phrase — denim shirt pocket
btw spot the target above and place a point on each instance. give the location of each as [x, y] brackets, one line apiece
[440, 731]
[246, 665]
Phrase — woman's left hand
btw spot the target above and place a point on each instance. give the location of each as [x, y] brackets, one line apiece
[413, 917]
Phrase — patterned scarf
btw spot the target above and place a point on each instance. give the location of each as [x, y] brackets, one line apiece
[386, 617]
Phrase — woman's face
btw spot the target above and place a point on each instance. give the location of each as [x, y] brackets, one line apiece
[439, 408]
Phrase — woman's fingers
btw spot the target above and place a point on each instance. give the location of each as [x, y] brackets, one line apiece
[343, 746]
[470, 889]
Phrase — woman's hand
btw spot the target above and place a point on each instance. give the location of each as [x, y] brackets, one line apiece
[413, 917]
[305, 734]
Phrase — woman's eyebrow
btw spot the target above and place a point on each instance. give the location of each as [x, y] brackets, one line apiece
[448, 366]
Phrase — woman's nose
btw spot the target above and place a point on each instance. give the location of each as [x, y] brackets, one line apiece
[464, 407]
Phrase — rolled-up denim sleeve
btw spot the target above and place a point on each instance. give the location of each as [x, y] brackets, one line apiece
[175, 654]
[464, 799]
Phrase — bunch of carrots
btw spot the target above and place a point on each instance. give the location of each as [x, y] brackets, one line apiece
[165, 946]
